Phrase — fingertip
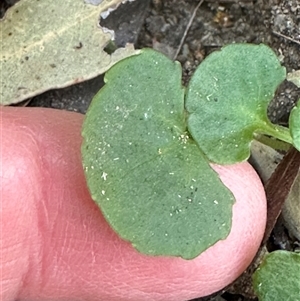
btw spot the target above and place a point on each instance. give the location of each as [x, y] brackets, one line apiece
[70, 252]
[34, 145]
[19, 174]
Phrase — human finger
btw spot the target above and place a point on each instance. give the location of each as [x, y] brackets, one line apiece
[56, 245]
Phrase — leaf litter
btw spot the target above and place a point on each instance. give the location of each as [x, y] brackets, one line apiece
[32, 57]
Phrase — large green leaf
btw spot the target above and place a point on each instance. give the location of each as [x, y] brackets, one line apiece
[294, 124]
[52, 44]
[227, 99]
[278, 277]
[147, 175]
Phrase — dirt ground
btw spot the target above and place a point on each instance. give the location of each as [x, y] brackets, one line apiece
[161, 24]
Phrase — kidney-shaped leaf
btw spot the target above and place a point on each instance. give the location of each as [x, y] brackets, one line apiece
[278, 277]
[227, 99]
[52, 44]
[294, 124]
[147, 175]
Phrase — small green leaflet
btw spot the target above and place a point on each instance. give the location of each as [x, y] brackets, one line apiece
[294, 124]
[145, 172]
[278, 277]
[227, 99]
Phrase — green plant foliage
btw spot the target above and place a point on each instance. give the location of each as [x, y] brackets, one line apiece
[227, 99]
[278, 277]
[144, 139]
[54, 44]
[294, 123]
[148, 176]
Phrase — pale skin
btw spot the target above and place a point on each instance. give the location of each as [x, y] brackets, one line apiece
[55, 244]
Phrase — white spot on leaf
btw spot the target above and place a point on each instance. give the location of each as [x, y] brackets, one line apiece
[104, 176]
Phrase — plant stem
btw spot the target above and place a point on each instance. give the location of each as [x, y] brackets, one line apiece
[277, 131]
[272, 142]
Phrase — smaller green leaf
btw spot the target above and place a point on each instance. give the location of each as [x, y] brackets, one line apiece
[278, 277]
[294, 77]
[227, 99]
[294, 124]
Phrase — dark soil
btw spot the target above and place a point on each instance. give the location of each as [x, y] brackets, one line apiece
[161, 24]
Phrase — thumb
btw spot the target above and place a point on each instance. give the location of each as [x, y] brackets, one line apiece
[56, 245]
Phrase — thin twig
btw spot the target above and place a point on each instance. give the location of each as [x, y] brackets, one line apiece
[279, 186]
[187, 29]
[286, 37]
